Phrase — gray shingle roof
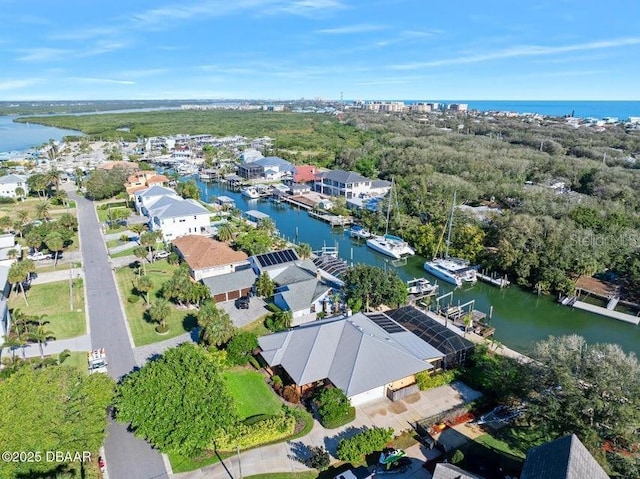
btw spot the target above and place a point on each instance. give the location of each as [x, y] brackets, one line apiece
[274, 161]
[564, 458]
[168, 207]
[449, 471]
[224, 283]
[341, 351]
[8, 179]
[299, 295]
[342, 176]
[156, 191]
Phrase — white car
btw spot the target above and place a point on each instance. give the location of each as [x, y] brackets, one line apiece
[38, 255]
[161, 254]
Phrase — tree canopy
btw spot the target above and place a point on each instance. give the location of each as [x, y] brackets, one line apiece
[49, 409]
[105, 183]
[178, 402]
[367, 287]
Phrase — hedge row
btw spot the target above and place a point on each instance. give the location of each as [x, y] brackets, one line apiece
[370, 440]
[252, 434]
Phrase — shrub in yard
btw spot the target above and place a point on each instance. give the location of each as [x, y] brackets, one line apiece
[173, 258]
[457, 457]
[124, 238]
[249, 435]
[254, 362]
[334, 408]
[319, 458]
[241, 347]
[134, 298]
[277, 383]
[426, 380]
[363, 443]
[290, 394]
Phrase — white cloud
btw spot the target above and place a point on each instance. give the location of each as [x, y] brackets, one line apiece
[144, 73]
[104, 80]
[18, 84]
[43, 54]
[520, 52]
[348, 29]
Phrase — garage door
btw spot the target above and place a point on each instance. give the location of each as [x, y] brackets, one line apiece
[371, 395]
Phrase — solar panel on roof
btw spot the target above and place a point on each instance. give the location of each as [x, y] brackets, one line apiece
[385, 323]
[276, 257]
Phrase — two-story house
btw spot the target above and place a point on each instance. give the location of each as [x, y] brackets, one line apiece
[348, 184]
[146, 198]
[177, 217]
[10, 183]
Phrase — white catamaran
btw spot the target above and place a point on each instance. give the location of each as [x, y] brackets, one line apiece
[387, 244]
[452, 270]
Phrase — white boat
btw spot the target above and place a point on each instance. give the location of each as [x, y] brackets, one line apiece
[359, 232]
[387, 244]
[452, 270]
[421, 286]
[250, 192]
[390, 245]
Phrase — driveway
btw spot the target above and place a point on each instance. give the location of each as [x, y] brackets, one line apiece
[126, 456]
[242, 317]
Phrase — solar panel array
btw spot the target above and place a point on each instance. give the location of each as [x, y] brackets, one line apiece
[276, 257]
[455, 347]
[385, 323]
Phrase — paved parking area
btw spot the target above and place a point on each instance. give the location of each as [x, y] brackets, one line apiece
[242, 317]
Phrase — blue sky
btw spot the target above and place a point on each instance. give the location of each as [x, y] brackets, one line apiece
[288, 49]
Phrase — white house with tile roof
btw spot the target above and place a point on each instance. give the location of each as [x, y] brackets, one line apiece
[10, 183]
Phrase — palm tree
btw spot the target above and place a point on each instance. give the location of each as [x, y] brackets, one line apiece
[304, 250]
[12, 342]
[17, 276]
[144, 285]
[138, 229]
[42, 337]
[141, 254]
[20, 193]
[225, 233]
[159, 311]
[63, 197]
[23, 216]
[12, 253]
[148, 239]
[42, 209]
[55, 243]
[267, 224]
[53, 177]
[215, 324]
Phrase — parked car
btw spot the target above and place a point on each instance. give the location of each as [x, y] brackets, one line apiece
[161, 254]
[243, 302]
[38, 255]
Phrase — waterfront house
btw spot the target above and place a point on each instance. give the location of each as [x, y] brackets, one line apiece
[305, 173]
[144, 179]
[207, 257]
[273, 263]
[301, 289]
[250, 155]
[230, 286]
[275, 167]
[177, 217]
[368, 356]
[10, 183]
[251, 171]
[348, 184]
[145, 199]
[299, 188]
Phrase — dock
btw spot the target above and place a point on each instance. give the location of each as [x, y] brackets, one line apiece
[493, 280]
[609, 313]
[333, 220]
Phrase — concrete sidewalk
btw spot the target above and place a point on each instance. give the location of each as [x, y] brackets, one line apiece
[32, 350]
[61, 275]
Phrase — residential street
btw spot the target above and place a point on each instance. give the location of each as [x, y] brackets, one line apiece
[126, 456]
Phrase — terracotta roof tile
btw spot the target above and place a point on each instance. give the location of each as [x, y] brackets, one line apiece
[201, 252]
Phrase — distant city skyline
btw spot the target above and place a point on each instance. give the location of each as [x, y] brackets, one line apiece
[290, 49]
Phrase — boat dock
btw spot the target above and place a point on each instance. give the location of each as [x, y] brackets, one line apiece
[333, 220]
[607, 312]
[493, 279]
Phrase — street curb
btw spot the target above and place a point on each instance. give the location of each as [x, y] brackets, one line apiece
[84, 281]
[105, 474]
[167, 463]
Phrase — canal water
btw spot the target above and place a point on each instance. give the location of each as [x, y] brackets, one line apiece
[19, 137]
[520, 317]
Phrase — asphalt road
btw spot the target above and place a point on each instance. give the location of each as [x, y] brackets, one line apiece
[126, 456]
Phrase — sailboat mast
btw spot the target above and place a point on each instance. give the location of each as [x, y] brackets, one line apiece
[453, 205]
[386, 230]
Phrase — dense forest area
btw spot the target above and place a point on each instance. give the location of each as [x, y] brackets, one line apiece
[543, 238]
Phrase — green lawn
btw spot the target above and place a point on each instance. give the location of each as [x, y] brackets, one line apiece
[143, 330]
[513, 440]
[251, 393]
[77, 360]
[76, 265]
[52, 300]
[257, 327]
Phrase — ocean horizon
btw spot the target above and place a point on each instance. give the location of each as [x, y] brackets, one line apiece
[621, 109]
